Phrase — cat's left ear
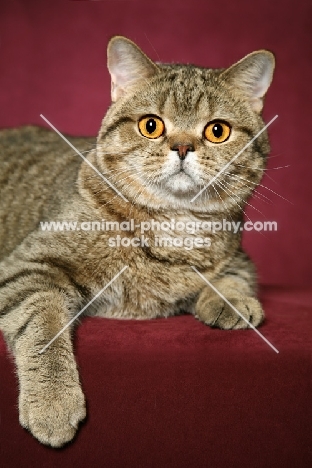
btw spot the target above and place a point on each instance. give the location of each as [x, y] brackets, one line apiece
[127, 65]
[252, 76]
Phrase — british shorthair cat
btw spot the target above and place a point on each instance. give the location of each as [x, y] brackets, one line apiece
[169, 155]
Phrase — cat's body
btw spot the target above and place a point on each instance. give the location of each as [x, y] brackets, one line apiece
[47, 277]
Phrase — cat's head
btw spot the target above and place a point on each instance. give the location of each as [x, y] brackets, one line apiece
[172, 128]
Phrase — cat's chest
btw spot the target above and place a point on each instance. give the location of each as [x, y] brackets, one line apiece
[150, 282]
[146, 291]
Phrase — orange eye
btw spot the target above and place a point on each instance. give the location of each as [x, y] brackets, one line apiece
[151, 126]
[217, 131]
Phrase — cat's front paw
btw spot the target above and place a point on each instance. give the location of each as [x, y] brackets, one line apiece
[217, 313]
[52, 416]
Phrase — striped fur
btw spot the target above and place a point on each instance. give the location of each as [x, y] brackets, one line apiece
[47, 277]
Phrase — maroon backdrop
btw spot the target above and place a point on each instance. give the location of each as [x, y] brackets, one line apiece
[53, 61]
[175, 393]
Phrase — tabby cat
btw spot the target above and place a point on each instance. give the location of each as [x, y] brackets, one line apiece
[168, 133]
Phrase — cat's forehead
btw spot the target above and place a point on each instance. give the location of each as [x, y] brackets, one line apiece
[190, 92]
[187, 83]
[185, 95]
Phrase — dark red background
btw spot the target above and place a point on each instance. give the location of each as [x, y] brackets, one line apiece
[174, 393]
[53, 61]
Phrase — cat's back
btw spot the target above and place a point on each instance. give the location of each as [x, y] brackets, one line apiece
[38, 171]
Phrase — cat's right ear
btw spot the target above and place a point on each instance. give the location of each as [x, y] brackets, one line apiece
[127, 65]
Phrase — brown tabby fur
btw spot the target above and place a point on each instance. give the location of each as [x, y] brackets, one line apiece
[47, 277]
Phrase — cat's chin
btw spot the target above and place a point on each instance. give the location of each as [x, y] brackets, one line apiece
[177, 192]
[181, 184]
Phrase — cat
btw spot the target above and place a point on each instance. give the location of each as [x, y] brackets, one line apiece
[169, 131]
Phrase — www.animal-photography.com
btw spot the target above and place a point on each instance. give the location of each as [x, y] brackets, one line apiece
[155, 260]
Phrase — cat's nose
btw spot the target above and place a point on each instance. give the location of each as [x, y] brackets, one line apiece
[182, 149]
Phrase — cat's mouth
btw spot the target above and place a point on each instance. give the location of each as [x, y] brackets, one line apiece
[182, 170]
[181, 173]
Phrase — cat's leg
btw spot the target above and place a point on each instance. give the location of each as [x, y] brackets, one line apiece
[237, 285]
[33, 309]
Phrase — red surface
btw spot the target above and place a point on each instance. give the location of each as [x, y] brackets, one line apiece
[174, 393]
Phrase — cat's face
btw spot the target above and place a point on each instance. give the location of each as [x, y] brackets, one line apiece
[169, 134]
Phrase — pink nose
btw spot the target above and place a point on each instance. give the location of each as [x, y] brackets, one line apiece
[182, 149]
